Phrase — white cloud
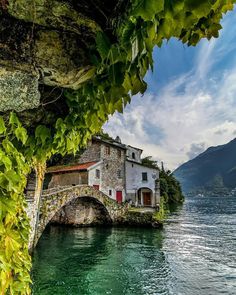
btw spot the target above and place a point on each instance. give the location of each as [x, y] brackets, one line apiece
[204, 60]
[196, 149]
[193, 112]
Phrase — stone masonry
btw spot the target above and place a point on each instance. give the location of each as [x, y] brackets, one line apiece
[113, 169]
[91, 154]
[53, 200]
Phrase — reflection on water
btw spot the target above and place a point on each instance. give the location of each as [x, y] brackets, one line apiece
[200, 248]
[193, 255]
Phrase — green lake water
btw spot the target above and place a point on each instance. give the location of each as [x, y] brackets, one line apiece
[195, 254]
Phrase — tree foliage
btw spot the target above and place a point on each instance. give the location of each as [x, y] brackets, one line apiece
[170, 188]
[149, 162]
[120, 58]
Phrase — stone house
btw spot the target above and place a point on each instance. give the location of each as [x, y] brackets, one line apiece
[102, 165]
[113, 168]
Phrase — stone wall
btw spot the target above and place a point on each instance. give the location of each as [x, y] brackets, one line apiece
[68, 178]
[92, 153]
[32, 213]
[112, 167]
[113, 170]
[139, 218]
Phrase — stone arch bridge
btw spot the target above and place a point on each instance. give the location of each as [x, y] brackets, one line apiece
[53, 200]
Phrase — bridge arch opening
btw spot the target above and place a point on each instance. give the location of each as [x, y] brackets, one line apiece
[82, 211]
[76, 206]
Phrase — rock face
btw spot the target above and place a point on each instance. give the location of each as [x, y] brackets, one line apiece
[18, 90]
[57, 14]
[43, 56]
[48, 42]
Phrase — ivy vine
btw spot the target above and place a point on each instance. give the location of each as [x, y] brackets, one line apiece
[119, 62]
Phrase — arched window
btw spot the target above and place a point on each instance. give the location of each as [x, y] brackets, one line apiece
[133, 155]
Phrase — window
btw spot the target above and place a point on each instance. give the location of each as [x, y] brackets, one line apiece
[133, 155]
[97, 173]
[107, 150]
[119, 173]
[110, 192]
[119, 153]
[144, 176]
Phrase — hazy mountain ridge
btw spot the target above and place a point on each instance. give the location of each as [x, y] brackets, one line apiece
[212, 172]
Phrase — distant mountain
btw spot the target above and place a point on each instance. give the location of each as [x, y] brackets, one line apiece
[213, 172]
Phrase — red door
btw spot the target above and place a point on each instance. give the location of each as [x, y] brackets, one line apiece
[119, 198]
[96, 186]
[147, 199]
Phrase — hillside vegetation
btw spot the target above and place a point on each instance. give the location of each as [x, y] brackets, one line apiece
[212, 173]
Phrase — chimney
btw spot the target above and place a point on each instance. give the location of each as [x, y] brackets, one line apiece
[118, 139]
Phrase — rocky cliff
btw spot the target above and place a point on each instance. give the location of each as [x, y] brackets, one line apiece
[45, 48]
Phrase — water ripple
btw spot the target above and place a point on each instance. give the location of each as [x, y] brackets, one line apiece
[193, 255]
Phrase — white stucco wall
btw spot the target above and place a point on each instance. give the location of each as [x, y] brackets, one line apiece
[137, 152]
[92, 179]
[134, 177]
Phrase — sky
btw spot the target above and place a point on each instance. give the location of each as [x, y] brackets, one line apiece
[190, 103]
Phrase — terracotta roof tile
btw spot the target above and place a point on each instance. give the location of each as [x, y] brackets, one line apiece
[57, 169]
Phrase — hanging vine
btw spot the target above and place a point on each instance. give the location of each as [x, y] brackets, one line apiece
[119, 63]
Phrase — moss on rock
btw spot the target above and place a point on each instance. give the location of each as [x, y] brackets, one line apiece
[18, 90]
[57, 14]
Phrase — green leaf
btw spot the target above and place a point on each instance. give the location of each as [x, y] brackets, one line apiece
[138, 86]
[116, 74]
[127, 84]
[13, 120]
[14, 180]
[147, 9]
[21, 134]
[6, 161]
[127, 33]
[2, 126]
[200, 8]
[135, 49]
[42, 133]
[115, 55]
[8, 147]
[103, 44]
[3, 181]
